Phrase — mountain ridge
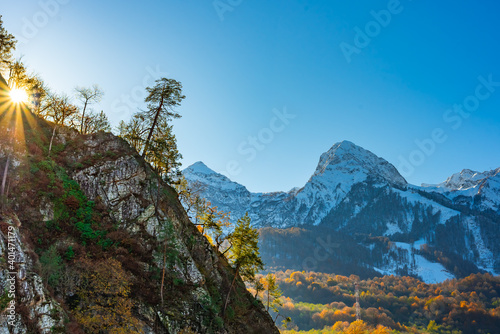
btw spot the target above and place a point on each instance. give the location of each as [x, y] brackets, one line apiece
[354, 191]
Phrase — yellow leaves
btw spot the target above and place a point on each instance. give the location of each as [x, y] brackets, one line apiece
[357, 327]
[104, 299]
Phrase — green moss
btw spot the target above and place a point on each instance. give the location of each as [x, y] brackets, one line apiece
[4, 300]
[70, 253]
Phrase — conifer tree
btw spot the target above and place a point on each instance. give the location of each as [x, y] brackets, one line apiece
[149, 131]
[161, 101]
[244, 252]
[273, 293]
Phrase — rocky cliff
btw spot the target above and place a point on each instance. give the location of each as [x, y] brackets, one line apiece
[92, 240]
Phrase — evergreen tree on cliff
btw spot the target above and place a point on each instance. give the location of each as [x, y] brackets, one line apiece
[244, 252]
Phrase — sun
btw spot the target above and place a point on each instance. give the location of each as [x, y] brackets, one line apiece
[18, 95]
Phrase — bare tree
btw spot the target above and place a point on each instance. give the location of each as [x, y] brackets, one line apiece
[87, 96]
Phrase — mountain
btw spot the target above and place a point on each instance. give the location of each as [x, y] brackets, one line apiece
[480, 191]
[360, 200]
[92, 240]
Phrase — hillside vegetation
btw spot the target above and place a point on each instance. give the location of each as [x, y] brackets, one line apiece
[326, 302]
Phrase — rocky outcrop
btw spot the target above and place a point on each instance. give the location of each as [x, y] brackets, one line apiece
[142, 202]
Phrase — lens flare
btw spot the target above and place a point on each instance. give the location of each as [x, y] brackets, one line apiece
[18, 95]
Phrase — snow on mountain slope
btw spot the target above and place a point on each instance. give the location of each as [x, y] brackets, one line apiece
[429, 272]
[344, 165]
[470, 183]
[217, 188]
[413, 197]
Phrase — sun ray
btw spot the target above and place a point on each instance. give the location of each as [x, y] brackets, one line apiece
[19, 95]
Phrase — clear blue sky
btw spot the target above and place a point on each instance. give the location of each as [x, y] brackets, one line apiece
[276, 55]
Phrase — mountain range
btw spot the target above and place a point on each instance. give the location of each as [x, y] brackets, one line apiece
[433, 232]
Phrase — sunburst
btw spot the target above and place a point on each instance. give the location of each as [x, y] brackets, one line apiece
[18, 95]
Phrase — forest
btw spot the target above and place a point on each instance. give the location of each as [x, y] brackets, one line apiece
[325, 303]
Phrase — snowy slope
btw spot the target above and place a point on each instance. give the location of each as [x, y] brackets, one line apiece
[468, 183]
[429, 272]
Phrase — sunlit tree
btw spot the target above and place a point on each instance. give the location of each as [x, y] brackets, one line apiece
[161, 102]
[95, 122]
[105, 305]
[87, 96]
[60, 111]
[244, 252]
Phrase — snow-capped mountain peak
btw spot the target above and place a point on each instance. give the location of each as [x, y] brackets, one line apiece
[468, 184]
[200, 168]
[199, 172]
[464, 180]
[349, 158]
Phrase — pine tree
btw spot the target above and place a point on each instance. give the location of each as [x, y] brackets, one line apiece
[244, 252]
[149, 131]
[273, 293]
[162, 99]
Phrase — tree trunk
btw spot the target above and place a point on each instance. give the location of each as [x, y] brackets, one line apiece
[163, 273]
[268, 299]
[4, 179]
[83, 116]
[146, 145]
[230, 288]
[52, 139]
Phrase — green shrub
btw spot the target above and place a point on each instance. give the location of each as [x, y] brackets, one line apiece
[52, 266]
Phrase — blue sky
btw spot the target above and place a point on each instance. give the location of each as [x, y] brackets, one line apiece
[270, 85]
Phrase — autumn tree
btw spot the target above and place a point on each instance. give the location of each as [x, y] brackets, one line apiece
[104, 304]
[273, 293]
[211, 221]
[163, 153]
[358, 327]
[87, 96]
[133, 132]
[244, 252]
[190, 197]
[61, 112]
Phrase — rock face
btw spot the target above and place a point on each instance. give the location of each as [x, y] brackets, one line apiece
[148, 230]
[354, 192]
[32, 302]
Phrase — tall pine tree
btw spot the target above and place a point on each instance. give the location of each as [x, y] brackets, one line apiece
[244, 252]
